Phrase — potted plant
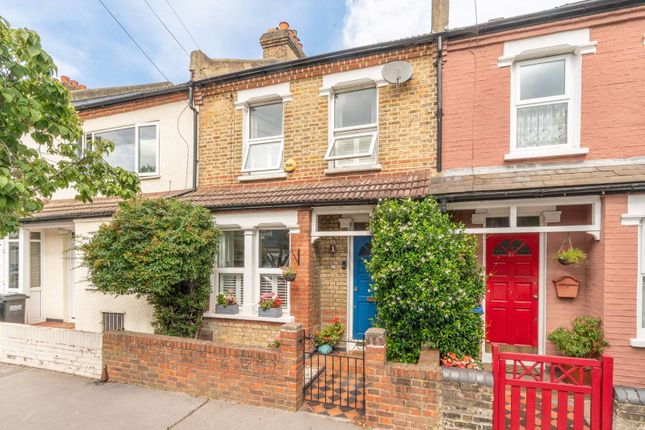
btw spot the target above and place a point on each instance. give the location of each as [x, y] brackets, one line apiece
[571, 256]
[270, 305]
[289, 273]
[226, 304]
[329, 336]
[585, 339]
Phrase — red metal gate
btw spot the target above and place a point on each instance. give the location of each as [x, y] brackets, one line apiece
[548, 392]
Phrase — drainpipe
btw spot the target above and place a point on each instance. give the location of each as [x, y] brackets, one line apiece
[191, 104]
[439, 101]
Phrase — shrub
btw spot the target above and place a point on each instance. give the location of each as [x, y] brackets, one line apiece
[161, 250]
[330, 334]
[426, 280]
[585, 338]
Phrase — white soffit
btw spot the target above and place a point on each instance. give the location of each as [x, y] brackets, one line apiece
[572, 41]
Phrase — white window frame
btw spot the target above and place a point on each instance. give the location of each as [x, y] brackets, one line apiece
[342, 133]
[259, 271]
[249, 142]
[640, 328]
[570, 96]
[136, 144]
[226, 271]
[18, 240]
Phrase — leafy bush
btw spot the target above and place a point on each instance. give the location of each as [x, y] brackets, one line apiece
[426, 280]
[585, 338]
[161, 250]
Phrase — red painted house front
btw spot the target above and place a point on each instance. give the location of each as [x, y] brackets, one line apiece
[543, 132]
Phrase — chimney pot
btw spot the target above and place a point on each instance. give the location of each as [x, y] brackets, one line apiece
[284, 25]
[73, 83]
[82, 87]
[64, 79]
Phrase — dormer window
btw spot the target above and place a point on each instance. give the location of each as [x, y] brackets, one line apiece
[355, 128]
[263, 150]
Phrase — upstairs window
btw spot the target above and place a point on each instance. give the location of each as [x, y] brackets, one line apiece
[545, 112]
[265, 144]
[136, 148]
[355, 128]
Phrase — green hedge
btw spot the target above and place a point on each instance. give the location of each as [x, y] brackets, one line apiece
[162, 250]
[426, 279]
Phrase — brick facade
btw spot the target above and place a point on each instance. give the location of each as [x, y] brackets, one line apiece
[240, 332]
[477, 92]
[407, 121]
[256, 376]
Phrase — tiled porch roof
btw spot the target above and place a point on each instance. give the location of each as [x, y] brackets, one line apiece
[537, 179]
[367, 189]
[71, 208]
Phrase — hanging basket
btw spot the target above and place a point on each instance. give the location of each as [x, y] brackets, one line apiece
[570, 256]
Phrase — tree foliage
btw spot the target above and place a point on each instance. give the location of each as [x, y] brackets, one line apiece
[426, 280]
[35, 106]
[162, 250]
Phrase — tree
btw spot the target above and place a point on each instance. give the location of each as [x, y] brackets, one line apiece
[159, 249]
[34, 104]
[426, 280]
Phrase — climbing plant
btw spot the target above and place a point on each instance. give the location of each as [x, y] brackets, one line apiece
[426, 280]
[159, 249]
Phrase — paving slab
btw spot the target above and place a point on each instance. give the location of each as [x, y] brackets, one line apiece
[217, 414]
[40, 399]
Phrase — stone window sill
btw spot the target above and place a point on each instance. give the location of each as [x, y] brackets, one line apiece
[637, 342]
[353, 169]
[525, 155]
[244, 317]
[262, 176]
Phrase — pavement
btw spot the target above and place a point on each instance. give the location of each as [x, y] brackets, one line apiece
[40, 399]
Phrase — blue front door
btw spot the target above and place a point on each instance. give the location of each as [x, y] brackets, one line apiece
[364, 304]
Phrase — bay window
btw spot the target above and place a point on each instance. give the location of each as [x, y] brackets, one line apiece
[265, 143]
[229, 274]
[353, 137]
[136, 148]
[249, 264]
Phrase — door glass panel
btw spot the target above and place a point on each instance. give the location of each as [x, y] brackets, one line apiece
[14, 264]
[34, 265]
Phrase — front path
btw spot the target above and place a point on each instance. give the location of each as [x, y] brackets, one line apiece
[39, 399]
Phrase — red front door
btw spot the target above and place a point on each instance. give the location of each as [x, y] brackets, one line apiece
[512, 289]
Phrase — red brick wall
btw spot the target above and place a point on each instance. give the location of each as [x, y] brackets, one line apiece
[620, 274]
[476, 105]
[256, 376]
[399, 396]
[302, 289]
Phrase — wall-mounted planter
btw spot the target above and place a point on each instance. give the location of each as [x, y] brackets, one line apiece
[270, 313]
[567, 287]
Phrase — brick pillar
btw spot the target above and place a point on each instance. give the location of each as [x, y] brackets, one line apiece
[302, 289]
[292, 360]
[375, 357]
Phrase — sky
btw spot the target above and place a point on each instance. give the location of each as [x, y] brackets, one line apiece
[89, 46]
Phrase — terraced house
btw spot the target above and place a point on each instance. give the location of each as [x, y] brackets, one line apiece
[528, 130]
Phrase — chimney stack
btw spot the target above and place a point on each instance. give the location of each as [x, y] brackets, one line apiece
[440, 15]
[71, 84]
[281, 43]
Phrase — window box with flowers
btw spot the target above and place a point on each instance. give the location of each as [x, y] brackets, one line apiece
[226, 304]
[270, 305]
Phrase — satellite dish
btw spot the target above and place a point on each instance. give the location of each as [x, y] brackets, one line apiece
[397, 72]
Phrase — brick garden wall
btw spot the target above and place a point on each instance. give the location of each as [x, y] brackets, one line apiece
[252, 375]
[466, 399]
[239, 332]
